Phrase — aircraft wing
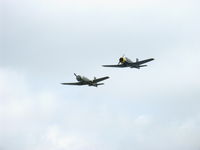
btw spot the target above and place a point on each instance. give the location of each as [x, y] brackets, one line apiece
[144, 61]
[75, 83]
[100, 79]
[119, 66]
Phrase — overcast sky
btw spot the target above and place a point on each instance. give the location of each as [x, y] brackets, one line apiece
[43, 42]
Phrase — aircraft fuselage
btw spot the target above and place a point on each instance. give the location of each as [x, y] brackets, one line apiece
[126, 62]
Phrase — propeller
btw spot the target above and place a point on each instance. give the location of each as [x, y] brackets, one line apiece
[78, 77]
[75, 74]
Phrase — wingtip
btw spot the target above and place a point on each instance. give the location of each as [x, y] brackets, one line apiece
[107, 77]
[105, 66]
[63, 83]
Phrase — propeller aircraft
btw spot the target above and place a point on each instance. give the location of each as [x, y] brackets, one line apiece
[126, 62]
[85, 81]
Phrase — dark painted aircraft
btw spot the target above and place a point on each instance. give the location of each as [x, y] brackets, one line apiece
[85, 81]
[126, 62]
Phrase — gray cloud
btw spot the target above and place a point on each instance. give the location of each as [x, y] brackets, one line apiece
[45, 42]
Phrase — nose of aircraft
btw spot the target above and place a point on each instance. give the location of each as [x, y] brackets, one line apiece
[78, 77]
[122, 60]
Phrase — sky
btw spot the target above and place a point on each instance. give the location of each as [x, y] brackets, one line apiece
[43, 42]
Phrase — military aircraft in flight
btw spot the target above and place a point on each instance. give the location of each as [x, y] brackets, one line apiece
[126, 62]
[85, 81]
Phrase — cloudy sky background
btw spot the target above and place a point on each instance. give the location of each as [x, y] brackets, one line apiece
[43, 42]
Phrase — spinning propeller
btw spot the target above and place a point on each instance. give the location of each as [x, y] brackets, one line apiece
[78, 77]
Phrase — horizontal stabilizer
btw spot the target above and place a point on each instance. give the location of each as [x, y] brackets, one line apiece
[100, 84]
[143, 65]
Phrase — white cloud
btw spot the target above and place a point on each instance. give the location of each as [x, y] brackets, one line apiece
[46, 121]
[22, 110]
[17, 98]
[152, 108]
[56, 139]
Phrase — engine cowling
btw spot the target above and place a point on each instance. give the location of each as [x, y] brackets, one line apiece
[78, 78]
[122, 60]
